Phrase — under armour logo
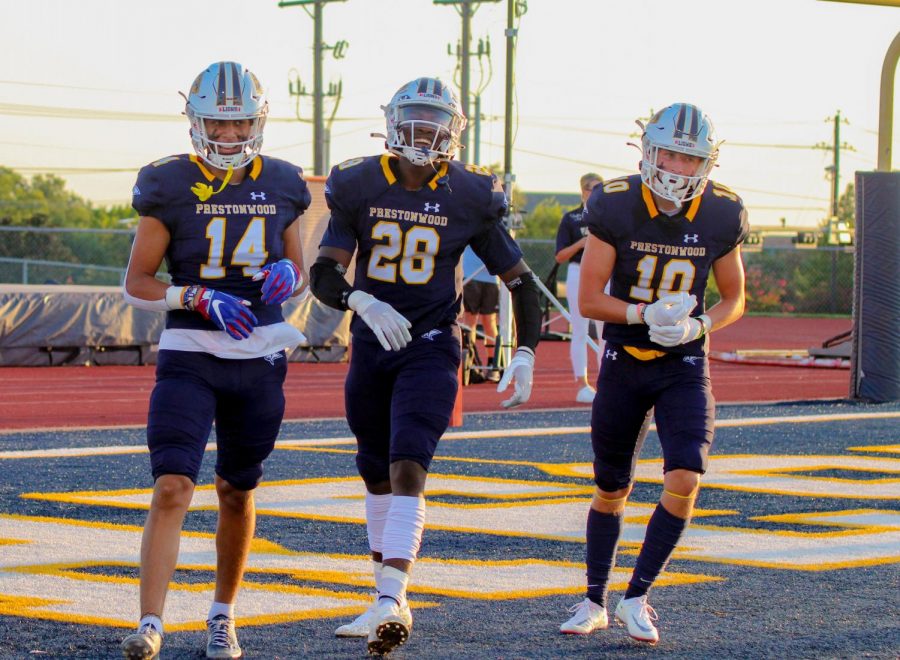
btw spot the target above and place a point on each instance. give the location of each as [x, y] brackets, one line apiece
[692, 238]
[271, 357]
[611, 354]
[431, 334]
[260, 195]
[432, 208]
[690, 359]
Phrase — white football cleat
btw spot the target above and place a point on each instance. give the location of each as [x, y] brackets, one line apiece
[637, 614]
[389, 627]
[359, 627]
[587, 617]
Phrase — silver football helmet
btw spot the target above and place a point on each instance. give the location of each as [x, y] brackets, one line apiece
[226, 90]
[683, 128]
[424, 122]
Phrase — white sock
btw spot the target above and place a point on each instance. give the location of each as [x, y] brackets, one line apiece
[403, 529]
[153, 620]
[393, 584]
[221, 608]
[377, 508]
[377, 567]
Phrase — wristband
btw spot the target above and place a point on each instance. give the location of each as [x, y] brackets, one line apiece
[635, 314]
[175, 297]
[705, 325]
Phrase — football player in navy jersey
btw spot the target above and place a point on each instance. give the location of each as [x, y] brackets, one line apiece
[571, 236]
[656, 237]
[408, 214]
[225, 219]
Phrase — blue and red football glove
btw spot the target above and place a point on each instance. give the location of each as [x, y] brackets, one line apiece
[228, 312]
[281, 280]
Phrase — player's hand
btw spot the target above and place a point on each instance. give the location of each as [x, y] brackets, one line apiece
[281, 279]
[682, 332]
[228, 312]
[520, 372]
[670, 309]
[391, 328]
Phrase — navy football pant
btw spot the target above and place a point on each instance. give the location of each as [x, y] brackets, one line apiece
[399, 402]
[244, 397]
[678, 390]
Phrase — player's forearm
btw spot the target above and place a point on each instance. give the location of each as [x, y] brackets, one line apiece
[526, 305]
[146, 292]
[326, 280]
[725, 312]
[600, 306]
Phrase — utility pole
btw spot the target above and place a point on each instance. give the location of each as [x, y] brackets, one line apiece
[466, 10]
[834, 170]
[484, 50]
[321, 141]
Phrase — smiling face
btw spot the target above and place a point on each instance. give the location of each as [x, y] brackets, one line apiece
[228, 134]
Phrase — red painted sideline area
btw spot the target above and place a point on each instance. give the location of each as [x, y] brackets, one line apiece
[34, 397]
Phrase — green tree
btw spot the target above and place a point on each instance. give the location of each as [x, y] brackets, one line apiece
[44, 201]
[543, 221]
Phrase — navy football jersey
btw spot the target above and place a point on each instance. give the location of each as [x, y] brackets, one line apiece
[657, 254]
[572, 228]
[408, 243]
[220, 238]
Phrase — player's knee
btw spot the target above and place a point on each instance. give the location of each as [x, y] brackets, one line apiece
[373, 469]
[681, 483]
[232, 498]
[610, 480]
[610, 501]
[408, 478]
[172, 491]
[244, 478]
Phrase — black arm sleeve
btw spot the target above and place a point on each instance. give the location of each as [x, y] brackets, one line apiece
[327, 283]
[526, 304]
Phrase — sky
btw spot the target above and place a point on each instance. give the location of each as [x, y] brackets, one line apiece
[89, 89]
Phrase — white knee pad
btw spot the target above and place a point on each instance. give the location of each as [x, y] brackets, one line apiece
[403, 529]
[377, 507]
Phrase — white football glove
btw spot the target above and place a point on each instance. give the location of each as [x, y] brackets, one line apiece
[670, 309]
[519, 371]
[391, 328]
[684, 331]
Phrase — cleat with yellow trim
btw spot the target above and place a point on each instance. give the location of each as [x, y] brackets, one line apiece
[143, 644]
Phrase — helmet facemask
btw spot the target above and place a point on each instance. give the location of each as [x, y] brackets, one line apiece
[680, 128]
[228, 92]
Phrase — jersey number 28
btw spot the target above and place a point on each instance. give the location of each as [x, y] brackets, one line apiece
[418, 246]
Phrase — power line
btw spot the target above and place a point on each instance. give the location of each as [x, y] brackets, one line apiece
[57, 112]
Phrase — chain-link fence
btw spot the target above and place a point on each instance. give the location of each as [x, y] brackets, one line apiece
[786, 280]
[780, 280]
[63, 255]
